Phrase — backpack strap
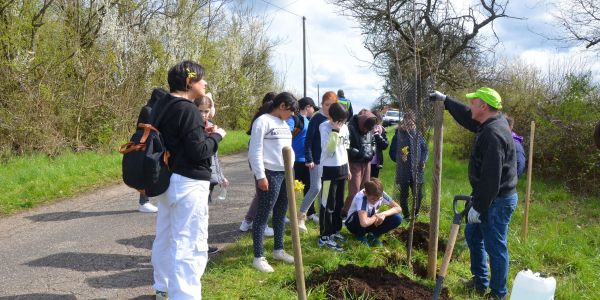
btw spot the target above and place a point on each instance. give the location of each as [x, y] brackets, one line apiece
[162, 113]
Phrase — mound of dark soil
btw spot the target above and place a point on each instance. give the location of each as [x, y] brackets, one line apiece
[351, 281]
[420, 237]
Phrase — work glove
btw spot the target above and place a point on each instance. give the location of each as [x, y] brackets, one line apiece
[473, 216]
[437, 96]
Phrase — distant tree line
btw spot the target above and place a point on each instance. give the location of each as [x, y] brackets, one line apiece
[74, 74]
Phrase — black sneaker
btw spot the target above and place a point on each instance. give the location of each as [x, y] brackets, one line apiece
[470, 285]
[212, 250]
[328, 242]
[493, 296]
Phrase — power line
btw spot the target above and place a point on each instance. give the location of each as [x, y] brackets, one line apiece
[281, 8]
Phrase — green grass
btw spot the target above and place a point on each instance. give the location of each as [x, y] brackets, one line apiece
[564, 242]
[28, 181]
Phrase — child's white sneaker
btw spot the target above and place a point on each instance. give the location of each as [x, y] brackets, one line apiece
[283, 256]
[269, 231]
[302, 222]
[261, 264]
[245, 226]
[314, 218]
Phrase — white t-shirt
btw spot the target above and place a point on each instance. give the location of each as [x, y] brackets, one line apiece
[336, 154]
[360, 202]
[269, 135]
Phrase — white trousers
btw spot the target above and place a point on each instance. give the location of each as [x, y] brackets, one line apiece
[179, 251]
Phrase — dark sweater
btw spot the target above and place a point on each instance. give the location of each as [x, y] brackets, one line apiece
[312, 142]
[493, 162]
[191, 148]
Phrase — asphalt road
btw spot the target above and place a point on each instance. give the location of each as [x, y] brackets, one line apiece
[97, 245]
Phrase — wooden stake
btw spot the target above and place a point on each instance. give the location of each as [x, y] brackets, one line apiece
[436, 187]
[291, 194]
[529, 175]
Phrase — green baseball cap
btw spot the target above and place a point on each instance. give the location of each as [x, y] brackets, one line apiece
[487, 95]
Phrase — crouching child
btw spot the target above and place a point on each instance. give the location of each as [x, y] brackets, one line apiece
[364, 221]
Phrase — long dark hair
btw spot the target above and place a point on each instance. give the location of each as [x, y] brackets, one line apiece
[183, 74]
[285, 98]
[263, 109]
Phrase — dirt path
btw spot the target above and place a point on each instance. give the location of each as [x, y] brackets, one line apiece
[97, 245]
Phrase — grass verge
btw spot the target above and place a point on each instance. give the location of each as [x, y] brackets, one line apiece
[28, 181]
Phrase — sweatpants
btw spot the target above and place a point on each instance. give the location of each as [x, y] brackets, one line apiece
[315, 187]
[403, 188]
[360, 174]
[275, 199]
[331, 201]
[179, 251]
[302, 174]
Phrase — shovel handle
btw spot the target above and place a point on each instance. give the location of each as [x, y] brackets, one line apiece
[458, 215]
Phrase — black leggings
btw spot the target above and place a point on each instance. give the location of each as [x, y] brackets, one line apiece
[403, 187]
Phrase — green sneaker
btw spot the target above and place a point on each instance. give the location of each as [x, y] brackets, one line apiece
[375, 242]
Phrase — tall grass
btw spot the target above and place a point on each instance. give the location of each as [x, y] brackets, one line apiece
[28, 181]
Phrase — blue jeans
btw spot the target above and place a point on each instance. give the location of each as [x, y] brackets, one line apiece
[489, 238]
[353, 225]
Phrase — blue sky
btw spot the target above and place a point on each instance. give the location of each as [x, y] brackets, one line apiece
[337, 59]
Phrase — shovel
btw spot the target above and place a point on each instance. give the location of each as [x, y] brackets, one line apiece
[458, 217]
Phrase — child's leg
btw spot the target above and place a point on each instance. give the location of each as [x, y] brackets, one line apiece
[374, 171]
[327, 201]
[211, 188]
[143, 199]
[279, 214]
[340, 187]
[388, 225]
[419, 197]
[356, 169]
[315, 187]
[353, 225]
[403, 187]
[266, 202]
[253, 207]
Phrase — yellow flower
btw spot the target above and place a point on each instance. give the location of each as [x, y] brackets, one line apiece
[191, 75]
[405, 150]
[298, 186]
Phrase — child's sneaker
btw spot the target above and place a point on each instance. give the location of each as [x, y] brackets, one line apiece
[375, 242]
[363, 240]
[261, 264]
[162, 295]
[314, 218]
[269, 231]
[302, 222]
[245, 226]
[338, 236]
[283, 256]
[326, 241]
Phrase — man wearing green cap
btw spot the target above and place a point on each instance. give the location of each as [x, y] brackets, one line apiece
[493, 178]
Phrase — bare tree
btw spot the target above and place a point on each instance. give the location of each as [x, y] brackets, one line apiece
[580, 21]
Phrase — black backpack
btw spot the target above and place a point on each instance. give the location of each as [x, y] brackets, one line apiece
[145, 164]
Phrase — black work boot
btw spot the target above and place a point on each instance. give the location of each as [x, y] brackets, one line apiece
[471, 285]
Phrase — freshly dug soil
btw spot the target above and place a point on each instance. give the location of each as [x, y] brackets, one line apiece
[420, 237]
[352, 281]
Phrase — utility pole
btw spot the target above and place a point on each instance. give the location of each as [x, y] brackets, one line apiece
[304, 50]
[318, 93]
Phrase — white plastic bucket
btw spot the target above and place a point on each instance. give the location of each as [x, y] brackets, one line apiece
[531, 286]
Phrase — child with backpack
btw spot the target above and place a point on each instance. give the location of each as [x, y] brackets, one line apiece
[334, 161]
[270, 134]
[364, 221]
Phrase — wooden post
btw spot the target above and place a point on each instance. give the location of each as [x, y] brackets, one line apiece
[529, 175]
[436, 187]
[291, 194]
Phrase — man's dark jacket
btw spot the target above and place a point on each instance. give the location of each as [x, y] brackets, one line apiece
[493, 162]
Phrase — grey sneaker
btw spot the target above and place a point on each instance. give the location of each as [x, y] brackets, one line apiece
[283, 256]
[327, 241]
[162, 295]
[338, 237]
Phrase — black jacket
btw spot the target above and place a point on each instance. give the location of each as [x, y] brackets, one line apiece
[191, 148]
[493, 162]
[362, 145]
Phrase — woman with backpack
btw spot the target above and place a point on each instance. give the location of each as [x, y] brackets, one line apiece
[179, 251]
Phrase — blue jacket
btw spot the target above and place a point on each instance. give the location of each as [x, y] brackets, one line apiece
[298, 141]
[404, 169]
[312, 142]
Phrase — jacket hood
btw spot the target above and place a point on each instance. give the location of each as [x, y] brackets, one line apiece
[517, 137]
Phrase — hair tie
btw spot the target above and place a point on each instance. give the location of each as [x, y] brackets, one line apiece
[190, 75]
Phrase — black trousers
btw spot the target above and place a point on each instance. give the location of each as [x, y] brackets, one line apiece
[331, 201]
[403, 188]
